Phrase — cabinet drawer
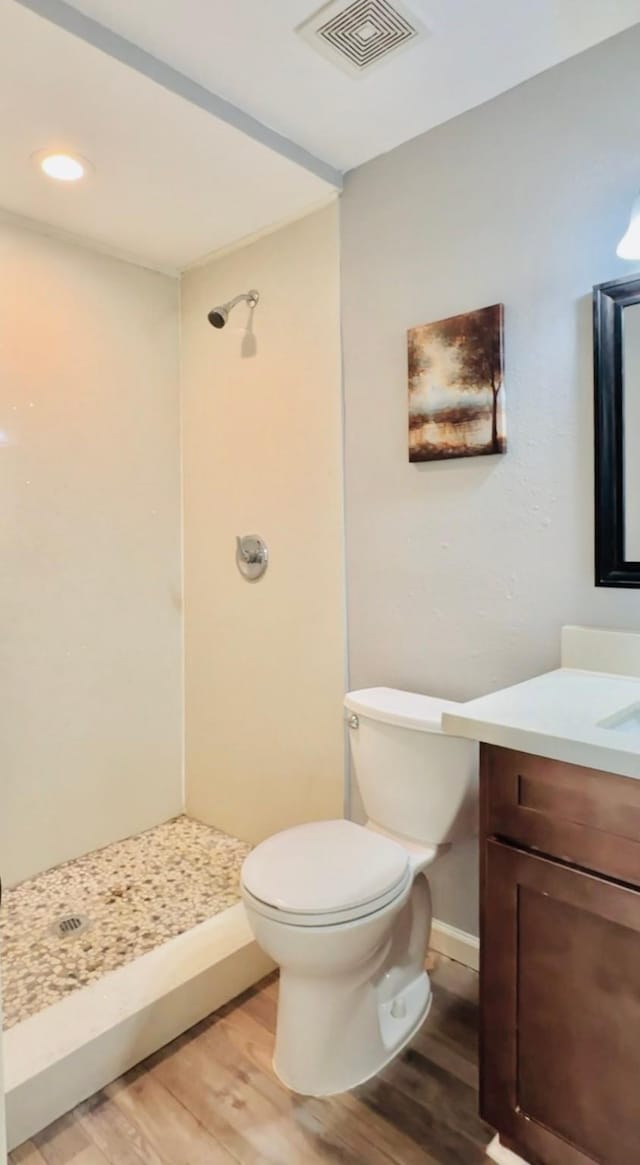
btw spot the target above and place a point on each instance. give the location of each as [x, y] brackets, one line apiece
[578, 815]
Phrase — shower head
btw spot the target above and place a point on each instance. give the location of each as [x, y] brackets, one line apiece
[218, 316]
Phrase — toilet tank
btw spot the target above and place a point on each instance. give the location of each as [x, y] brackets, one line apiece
[414, 779]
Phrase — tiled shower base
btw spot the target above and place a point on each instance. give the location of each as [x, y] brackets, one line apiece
[135, 895]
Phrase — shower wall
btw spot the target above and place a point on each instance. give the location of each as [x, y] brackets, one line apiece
[262, 454]
[91, 572]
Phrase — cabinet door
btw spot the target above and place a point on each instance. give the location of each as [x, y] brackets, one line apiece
[560, 1011]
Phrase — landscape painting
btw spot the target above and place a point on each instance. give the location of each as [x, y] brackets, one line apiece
[456, 390]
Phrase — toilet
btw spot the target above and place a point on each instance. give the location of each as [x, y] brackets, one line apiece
[345, 909]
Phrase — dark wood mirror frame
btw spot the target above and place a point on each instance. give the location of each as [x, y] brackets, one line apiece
[609, 302]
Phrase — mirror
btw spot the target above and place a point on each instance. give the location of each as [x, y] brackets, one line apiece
[617, 426]
[631, 428]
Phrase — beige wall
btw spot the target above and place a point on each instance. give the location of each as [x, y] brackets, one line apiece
[90, 583]
[461, 573]
[262, 454]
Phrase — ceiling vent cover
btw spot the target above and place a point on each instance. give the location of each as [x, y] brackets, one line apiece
[364, 33]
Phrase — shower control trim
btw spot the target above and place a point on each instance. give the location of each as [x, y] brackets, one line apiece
[252, 556]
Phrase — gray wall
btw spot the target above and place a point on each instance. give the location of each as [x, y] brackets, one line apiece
[461, 573]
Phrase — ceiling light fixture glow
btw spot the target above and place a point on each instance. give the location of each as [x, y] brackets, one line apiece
[629, 245]
[61, 166]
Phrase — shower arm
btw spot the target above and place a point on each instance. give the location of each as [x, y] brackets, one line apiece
[250, 297]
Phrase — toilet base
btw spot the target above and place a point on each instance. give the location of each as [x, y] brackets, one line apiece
[330, 1042]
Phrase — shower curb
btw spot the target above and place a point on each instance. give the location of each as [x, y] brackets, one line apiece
[66, 1053]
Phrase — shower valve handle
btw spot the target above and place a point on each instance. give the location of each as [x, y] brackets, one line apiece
[252, 556]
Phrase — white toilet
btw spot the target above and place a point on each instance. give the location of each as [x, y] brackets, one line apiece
[345, 909]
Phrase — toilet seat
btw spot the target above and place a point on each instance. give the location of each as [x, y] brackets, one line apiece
[327, 918]
[325, 873]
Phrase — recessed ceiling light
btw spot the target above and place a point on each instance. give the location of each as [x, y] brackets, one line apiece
[61, 166]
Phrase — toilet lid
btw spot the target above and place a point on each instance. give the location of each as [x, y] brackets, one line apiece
[324, 867]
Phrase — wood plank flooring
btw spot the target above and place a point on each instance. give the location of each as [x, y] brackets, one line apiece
[211, 1096]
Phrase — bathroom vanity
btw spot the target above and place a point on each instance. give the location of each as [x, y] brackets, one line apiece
[560, 914]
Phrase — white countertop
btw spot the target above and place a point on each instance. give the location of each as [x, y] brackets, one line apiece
[558, 715]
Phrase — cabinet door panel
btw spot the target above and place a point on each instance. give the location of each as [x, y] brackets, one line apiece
[560, 1010]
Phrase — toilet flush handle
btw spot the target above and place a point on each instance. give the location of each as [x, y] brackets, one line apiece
[353, 721]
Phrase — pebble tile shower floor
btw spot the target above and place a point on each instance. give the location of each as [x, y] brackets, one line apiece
[136, 893]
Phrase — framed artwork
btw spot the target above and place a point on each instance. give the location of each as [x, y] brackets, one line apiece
[456, 389]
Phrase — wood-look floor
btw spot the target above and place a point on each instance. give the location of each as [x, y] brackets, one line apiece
[211, 1096]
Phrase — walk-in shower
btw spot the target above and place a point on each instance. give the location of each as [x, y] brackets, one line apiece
[121, 922]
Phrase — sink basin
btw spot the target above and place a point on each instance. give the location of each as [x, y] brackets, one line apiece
[627, 721]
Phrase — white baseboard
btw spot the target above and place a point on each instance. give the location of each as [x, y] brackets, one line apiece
[501, 1155]
[69, 1051]
[455, 944]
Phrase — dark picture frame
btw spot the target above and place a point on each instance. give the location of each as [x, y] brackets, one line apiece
[612, 568]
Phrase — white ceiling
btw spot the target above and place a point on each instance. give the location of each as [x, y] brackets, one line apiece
[181, 169]
[171, 183]
[247, 51]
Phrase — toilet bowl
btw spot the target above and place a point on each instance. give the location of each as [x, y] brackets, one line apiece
[345, 909]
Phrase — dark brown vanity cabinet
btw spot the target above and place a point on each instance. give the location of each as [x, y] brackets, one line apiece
[560, 960]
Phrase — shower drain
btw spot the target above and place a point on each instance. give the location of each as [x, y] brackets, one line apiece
[70, 926]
